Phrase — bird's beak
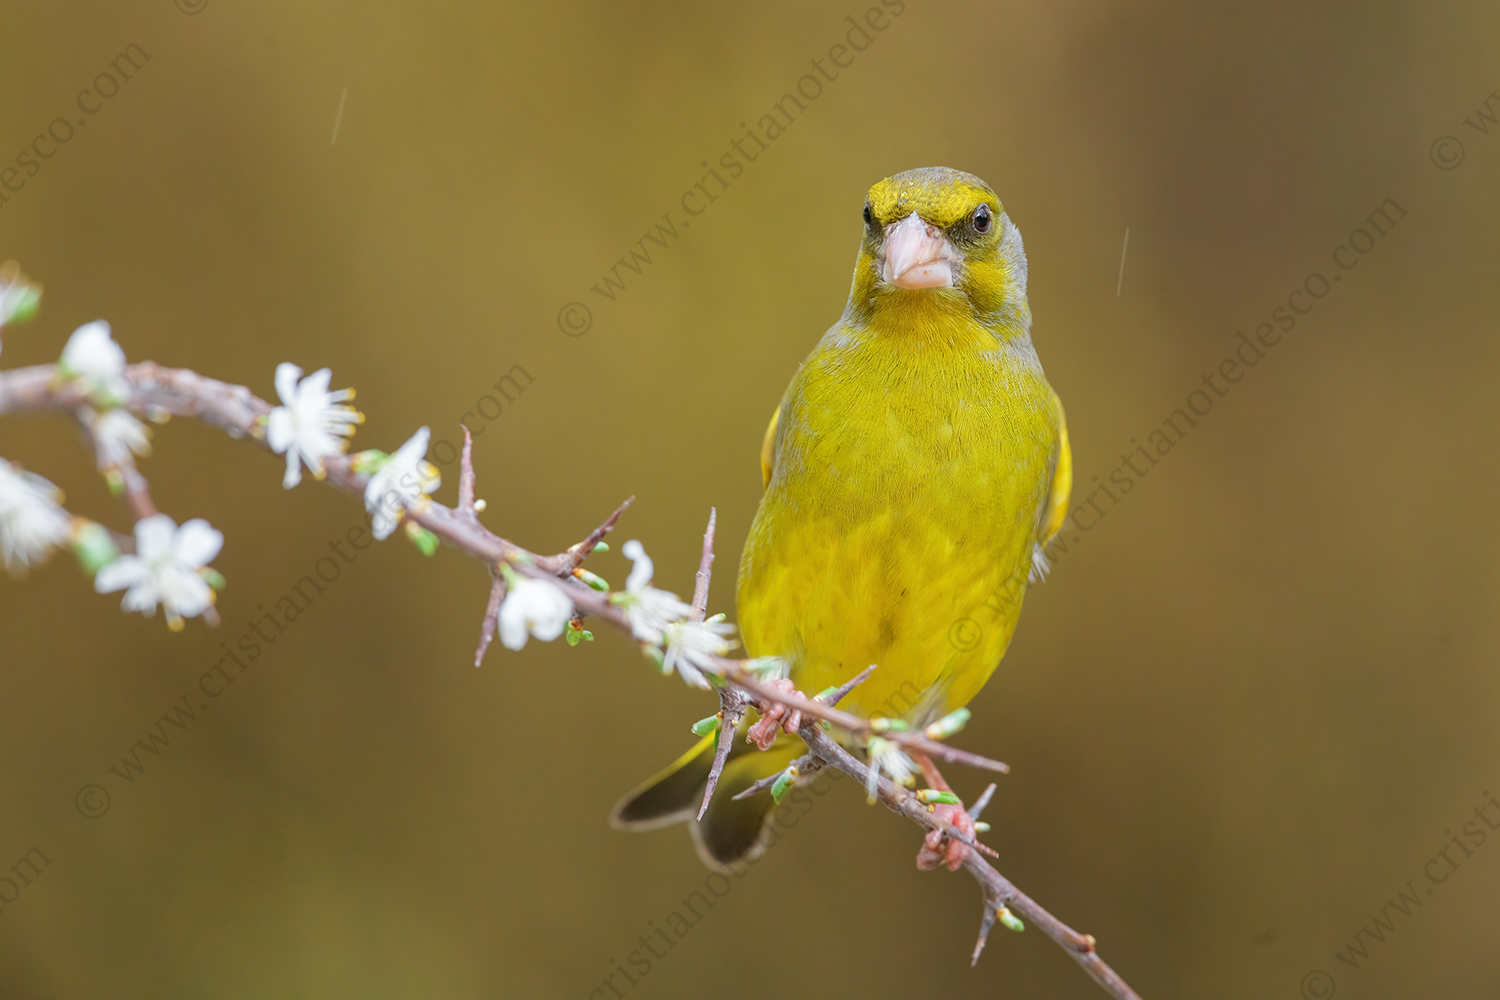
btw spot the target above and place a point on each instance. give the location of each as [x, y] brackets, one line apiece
[917, 255]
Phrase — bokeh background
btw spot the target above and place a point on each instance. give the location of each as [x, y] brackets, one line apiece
[1243, 712]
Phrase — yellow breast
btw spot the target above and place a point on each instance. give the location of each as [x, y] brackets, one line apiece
[910, 468]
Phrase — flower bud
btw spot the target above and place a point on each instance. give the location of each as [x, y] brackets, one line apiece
[425, 541]
[369, 462]
[93, 546]
[595, 581]
[783, 782]
[949, 724]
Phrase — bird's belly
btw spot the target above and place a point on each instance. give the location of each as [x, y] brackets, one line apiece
[920, 570]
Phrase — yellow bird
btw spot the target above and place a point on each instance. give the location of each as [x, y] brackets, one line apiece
[914, 471]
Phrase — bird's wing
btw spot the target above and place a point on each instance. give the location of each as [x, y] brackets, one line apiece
[1055, 511]
[768, 451]
[1062, 479]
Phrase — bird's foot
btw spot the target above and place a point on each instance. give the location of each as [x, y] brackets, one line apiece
[937, 847]
[774, 717]
[940, 849]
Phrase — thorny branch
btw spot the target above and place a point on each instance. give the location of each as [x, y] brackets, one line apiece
[153, 390]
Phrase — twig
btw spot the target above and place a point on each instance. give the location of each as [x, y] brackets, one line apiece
[732, 705]
[467, 508]
[137, 491]
[132, 483]
[986, 922]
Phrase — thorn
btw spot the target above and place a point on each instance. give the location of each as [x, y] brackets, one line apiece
[705, 569]
[984, 932]
[576, 554]
[837, 694]
[491, 615]
[466, 474]
[984, 800]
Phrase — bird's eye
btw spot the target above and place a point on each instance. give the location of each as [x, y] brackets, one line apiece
[982, 219]
[869, 221]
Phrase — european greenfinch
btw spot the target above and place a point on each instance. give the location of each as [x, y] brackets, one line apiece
[913, 473]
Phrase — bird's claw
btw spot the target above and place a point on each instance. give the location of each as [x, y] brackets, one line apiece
[775, 717]
[940, 849]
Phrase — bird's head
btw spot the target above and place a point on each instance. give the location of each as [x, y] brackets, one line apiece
[938, 239]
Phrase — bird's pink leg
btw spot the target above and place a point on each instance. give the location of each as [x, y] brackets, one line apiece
[775, 718]
[938, 849]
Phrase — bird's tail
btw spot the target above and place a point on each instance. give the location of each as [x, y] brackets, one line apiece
[729, 831]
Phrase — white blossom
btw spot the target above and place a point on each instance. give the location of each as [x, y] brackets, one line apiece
[691, 645]
[117, 435]
[312, 423]
[405, 479]
[32, 523]
[92, 355]
[165, 569]
[533, 607]
[648, 609]
[886, 756]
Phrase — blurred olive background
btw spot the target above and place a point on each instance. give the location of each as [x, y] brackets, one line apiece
[1245, 710]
